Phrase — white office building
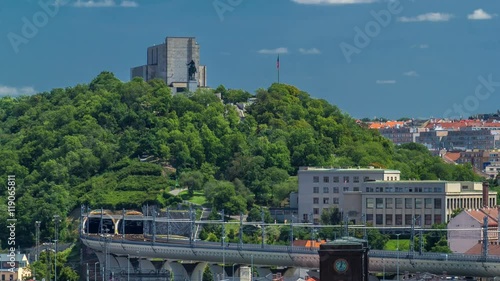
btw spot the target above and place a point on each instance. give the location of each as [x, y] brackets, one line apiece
[382, 199]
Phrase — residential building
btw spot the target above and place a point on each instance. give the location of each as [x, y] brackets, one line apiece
[399, 135]
[433, 140]
[16, 270]
[472, 138]
[465, 230]
[381, 198]
[170, 61]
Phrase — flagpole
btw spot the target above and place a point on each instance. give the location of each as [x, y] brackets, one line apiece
[278, 66]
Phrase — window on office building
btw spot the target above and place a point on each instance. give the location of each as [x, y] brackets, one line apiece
[379, 202]
[428, 219]
[316, 211]
[315, 179]
[326, 189]
[418, 203]
[437, 219]
[346, 188]
[355, 188]
[346, 179]
[437, 203]
[379, 219]
[335, 189]
[326, 200]
[315, 200]
[355, 179]
[335, 179]
[408, 203]
[316, 189]
[335, 200]
[388, 219]
[408, 219]
[399, 219]
[388, 203]
[428, 203]
[399, 203]
[3, 277]
[326, 179]
[369, 218]
[369, 203]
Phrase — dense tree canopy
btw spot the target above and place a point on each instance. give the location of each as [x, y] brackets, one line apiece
[119, 145]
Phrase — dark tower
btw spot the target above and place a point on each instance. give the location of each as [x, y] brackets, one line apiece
[344, 259]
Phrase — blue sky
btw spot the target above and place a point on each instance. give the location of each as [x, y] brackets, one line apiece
[420, 58]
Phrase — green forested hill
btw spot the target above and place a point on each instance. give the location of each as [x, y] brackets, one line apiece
[81, 145]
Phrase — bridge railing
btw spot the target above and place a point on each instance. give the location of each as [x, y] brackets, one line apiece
[183, 243]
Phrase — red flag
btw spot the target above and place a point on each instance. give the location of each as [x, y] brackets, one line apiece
[278, 62]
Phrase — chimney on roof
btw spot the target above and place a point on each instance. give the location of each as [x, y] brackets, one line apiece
[486, 191]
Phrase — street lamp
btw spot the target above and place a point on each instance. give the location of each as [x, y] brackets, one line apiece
[128, 267]
[223, 256]
[95, 271]
[233, 269]
[397, 247]
[251, 269]
[383, 271]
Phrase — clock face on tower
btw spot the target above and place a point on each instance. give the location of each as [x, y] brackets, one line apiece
[340, 265]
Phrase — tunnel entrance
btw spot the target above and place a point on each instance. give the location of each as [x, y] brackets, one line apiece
[93, 225]
[131, 227]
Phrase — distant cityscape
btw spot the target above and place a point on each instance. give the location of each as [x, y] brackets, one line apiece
[475, 141]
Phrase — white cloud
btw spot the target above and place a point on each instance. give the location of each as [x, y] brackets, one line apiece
[333, 2]
[104, 4]
[411, 73]
[385, 81]
[434, 17]
[129, 4]
[273, 51]
[480, 14]
[13, 91]
[421, 46]
[312, 51]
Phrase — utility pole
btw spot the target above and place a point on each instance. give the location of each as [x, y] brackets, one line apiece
[57, 219]
[263, 227]
[223, 227]
[37, 236]
[365, 236]
[241, 231]
[412, 238]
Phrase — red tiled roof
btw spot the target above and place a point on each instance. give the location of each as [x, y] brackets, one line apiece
[308, 243]
[460, 124]
[493, 249]
[388, 124]
[479, 215]
[453, 156]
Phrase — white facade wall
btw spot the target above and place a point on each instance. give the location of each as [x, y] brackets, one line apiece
[464, 232]
[321, 188]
